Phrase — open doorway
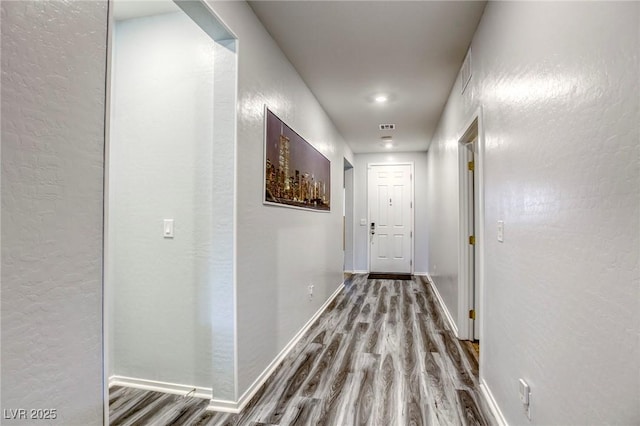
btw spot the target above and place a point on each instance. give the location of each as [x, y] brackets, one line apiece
[472, 214]
[471, 242]
[172, 85]
[347, 219]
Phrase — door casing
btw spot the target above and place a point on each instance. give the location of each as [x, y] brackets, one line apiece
[348, 242]
[473, 129]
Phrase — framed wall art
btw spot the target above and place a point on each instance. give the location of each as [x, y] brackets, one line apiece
[295, 173]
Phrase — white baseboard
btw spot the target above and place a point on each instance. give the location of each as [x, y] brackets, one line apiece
[153, 385]
[360, 272]
[420, 274]
[224, 406]
[236, 407]
[443, 306]
[491, 402]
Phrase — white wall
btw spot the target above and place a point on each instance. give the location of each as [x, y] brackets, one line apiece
[280, 251]
[224, 318]
[442, 196]
[361, 233]
[160, 166]
[53, 94]
[558, 84]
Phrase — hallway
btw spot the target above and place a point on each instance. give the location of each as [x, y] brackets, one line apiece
[381, 354]
[534, 105]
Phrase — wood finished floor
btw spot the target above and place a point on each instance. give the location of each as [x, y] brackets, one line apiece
[381, 354]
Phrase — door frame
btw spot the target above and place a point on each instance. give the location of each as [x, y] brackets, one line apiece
[413, 209]
[473, 128]
[349, 229]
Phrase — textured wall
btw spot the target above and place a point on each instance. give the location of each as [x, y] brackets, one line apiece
[160, 166]
[558, 83]
[361, 233]
[442, 196]
[224, 318]
[279, 250]
[53, 92]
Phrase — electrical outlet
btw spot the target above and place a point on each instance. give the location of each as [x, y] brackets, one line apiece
[310, 291]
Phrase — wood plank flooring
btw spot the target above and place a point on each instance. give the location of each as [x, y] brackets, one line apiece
[381, 354]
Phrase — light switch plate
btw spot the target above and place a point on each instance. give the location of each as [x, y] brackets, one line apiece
[524, 391]
[525, 397]
[363, 222]
[167, 230]
[501, 231]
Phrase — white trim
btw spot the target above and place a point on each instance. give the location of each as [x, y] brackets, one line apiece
[106, 289]
[412, 185]
[464, 248]
[491, 402]
[447, 314]
[234, 256]
[481, 231]
[420, 274]
[157, 386]
[361, 272]
[465, 300]
[223, 406]
[349, 220]
[237, 407]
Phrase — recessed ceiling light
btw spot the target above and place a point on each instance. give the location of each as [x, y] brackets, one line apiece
[388, 145]
[381, 99]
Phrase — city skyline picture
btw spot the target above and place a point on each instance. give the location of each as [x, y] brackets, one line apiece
[296, 174]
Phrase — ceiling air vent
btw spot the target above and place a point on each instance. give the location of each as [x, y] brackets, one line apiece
[387, 127]
[465, 72]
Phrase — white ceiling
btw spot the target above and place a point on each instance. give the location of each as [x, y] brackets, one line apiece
[349, 51]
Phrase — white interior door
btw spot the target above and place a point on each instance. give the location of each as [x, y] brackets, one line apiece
[390, 218]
